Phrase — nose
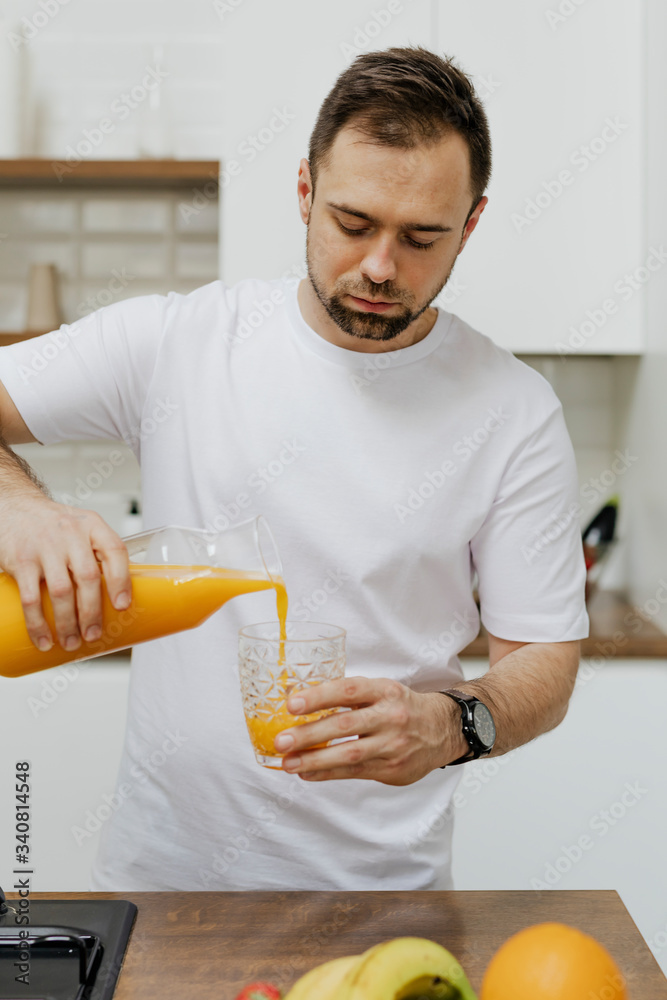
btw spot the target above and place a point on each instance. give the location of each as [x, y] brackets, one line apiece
[378, 264]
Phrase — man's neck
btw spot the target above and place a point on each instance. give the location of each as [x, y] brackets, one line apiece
[318, 319]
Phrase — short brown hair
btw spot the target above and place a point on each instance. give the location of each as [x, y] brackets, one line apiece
[404, 97]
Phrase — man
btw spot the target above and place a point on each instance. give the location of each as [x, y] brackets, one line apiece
[394, 451]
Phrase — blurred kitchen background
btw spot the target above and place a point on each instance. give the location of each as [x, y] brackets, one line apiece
[117, 121]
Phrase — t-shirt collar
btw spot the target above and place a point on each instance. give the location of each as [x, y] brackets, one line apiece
[359, 359]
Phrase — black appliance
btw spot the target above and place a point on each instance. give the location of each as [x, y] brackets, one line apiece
[73, 950]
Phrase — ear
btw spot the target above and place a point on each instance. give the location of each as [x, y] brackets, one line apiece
[304, 190]
[472, 222]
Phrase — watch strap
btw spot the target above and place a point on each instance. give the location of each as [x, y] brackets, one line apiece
[474, 752]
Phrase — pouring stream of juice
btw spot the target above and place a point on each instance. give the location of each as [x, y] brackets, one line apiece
[165, 599]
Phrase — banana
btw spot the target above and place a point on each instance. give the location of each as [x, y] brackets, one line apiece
[407, 968]
[322, 982]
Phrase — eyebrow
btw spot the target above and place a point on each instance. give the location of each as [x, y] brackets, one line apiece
[418, 227]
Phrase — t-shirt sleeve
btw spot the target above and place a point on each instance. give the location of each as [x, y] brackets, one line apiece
[528, 552]
[89, 379]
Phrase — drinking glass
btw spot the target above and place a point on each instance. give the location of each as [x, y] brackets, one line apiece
[272, 668]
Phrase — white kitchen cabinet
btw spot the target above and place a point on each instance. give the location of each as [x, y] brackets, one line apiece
[560, 256]
[68, 723]
[582, 807]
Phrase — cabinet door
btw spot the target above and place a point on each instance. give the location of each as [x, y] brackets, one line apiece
[559, 259]
[583, 806]
[281, 60]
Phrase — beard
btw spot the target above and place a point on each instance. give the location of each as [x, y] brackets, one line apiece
[369, 325]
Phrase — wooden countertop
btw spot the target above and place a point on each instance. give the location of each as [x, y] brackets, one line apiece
[617, 631]
[210, 944]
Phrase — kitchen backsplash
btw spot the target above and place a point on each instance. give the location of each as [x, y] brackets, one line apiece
[107, 245]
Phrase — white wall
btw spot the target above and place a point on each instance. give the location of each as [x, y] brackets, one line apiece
[93, 52]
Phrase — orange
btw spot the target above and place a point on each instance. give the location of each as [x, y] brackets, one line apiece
[552, 962]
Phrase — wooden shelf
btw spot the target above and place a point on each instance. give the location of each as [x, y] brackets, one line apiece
[107, 173]
[617, 632]
[7, 337]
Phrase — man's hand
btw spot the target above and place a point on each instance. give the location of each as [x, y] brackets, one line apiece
[403, 734]
[44, 540]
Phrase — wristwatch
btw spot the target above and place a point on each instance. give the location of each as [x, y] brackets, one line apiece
[477, 723]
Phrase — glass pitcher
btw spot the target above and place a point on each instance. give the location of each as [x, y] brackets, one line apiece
[180, 577]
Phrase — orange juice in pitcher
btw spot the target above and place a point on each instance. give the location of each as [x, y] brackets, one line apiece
[180, 577]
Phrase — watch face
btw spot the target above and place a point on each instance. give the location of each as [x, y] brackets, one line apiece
[484, 726]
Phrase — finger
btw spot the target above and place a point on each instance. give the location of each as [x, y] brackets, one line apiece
[357, 722]
[60, 586]
[346, 759]
[113, 554]
[85, 572]
[346, 692]
[28, 581]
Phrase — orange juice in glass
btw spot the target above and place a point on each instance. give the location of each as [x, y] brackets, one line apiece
[271, 668]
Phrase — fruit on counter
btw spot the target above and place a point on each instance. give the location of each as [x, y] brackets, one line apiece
[259, 991]
[324, 980]
[552, 961]
[407, 968]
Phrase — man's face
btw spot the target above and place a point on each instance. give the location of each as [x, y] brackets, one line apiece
[386, 225]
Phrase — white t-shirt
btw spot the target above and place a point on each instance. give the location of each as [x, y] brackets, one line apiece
[387, 481]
